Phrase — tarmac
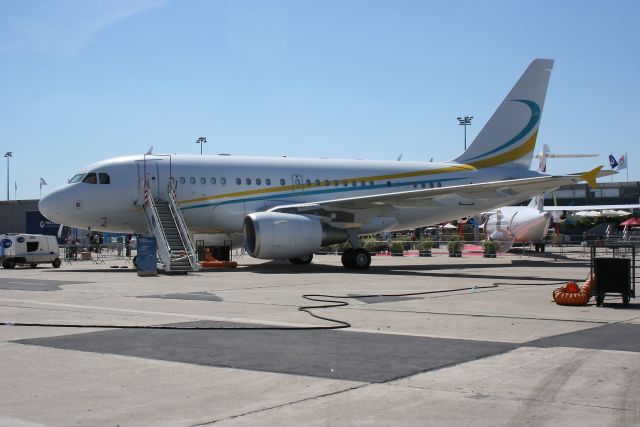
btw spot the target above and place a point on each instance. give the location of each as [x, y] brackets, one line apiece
[477, 342]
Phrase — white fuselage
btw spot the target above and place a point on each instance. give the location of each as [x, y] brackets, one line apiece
[215, 193]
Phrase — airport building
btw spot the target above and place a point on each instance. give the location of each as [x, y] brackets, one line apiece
[605, 194]
[23, 216]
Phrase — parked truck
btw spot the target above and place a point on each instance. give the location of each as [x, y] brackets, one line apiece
[28, 249]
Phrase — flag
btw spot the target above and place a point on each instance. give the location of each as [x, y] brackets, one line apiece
[612, 161]
[42, 182]
[622, 162]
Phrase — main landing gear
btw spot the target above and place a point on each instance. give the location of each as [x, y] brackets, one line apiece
[356, 259]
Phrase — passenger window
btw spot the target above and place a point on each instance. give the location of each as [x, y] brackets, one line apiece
[182, 180]
[345, 183]
[371, 183]
[336, 183]
[422, 185]
[282, 182]
[439, 184]
[104, 178]
[223, 181]
[326, 182]
[353, 183]
[213, 181]
[308, 182]
[192, 180]
[431, 184]
[32, 246]
[258, 181]
[238, 181]
[267, 181]
[388, 183]
[91, 178]
[203, 180]
[248, 180]
[317, 183]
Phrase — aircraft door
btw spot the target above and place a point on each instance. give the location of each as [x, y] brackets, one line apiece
[297, 184]
[151, 169]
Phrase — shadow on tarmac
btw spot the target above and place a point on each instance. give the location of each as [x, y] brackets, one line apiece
[421, 270]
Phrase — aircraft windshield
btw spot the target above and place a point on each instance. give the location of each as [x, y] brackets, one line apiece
[76, 178]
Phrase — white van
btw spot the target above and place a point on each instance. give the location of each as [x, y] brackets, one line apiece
[32, 249]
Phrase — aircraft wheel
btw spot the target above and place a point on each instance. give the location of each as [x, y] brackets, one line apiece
[625, 299]
[33, 265]
[303, 260]
[347, 258]
[599, 300]
[361, 259]
[135, 261]
[9, 263]
[56, 263]
[357, 259]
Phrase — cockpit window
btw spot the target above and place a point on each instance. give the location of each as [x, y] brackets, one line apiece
[76, 178]
[104, 178]
[91, 178]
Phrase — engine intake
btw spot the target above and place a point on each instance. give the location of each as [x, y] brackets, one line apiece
[275, 235]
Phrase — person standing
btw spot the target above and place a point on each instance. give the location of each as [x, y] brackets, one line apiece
[127, 245]
[119, 243]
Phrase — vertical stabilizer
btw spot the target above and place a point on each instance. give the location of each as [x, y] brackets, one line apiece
[509, 137]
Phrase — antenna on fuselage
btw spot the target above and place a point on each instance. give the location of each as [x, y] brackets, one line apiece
[150, 151]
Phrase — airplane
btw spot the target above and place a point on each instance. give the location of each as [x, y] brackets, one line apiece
[288, 208]
[521, 224]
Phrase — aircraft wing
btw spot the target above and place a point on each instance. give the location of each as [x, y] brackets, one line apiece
[516, 189]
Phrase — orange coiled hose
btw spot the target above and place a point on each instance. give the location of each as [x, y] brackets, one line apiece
[572, 295]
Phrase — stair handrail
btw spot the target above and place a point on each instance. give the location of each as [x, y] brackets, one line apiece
[182, 226]
[150, 203]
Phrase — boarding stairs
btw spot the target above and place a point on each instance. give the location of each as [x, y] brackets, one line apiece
[167, 225]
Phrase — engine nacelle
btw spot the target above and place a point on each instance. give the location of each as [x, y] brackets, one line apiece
[510, 225]
[275, 235]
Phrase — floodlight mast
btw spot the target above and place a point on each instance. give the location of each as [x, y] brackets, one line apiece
[202, 140]
[465, 121]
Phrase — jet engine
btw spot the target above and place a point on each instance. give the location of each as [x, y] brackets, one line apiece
[511, 225]
[275, 235]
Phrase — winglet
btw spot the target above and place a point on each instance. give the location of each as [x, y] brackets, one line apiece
[591, 176]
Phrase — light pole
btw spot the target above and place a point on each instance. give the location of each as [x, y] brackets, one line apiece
[8, 155]
[465, 121]
[201, 140]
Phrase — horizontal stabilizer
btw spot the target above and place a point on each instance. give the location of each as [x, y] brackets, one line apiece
[590, 177]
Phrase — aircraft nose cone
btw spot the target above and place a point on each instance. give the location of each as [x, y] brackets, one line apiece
[49, 206]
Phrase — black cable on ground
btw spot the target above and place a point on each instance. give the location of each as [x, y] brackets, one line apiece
[332, 303]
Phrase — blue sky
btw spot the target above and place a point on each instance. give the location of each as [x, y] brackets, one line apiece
[81, 81]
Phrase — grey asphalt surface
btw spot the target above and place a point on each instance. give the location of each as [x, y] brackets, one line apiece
[475, 354]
